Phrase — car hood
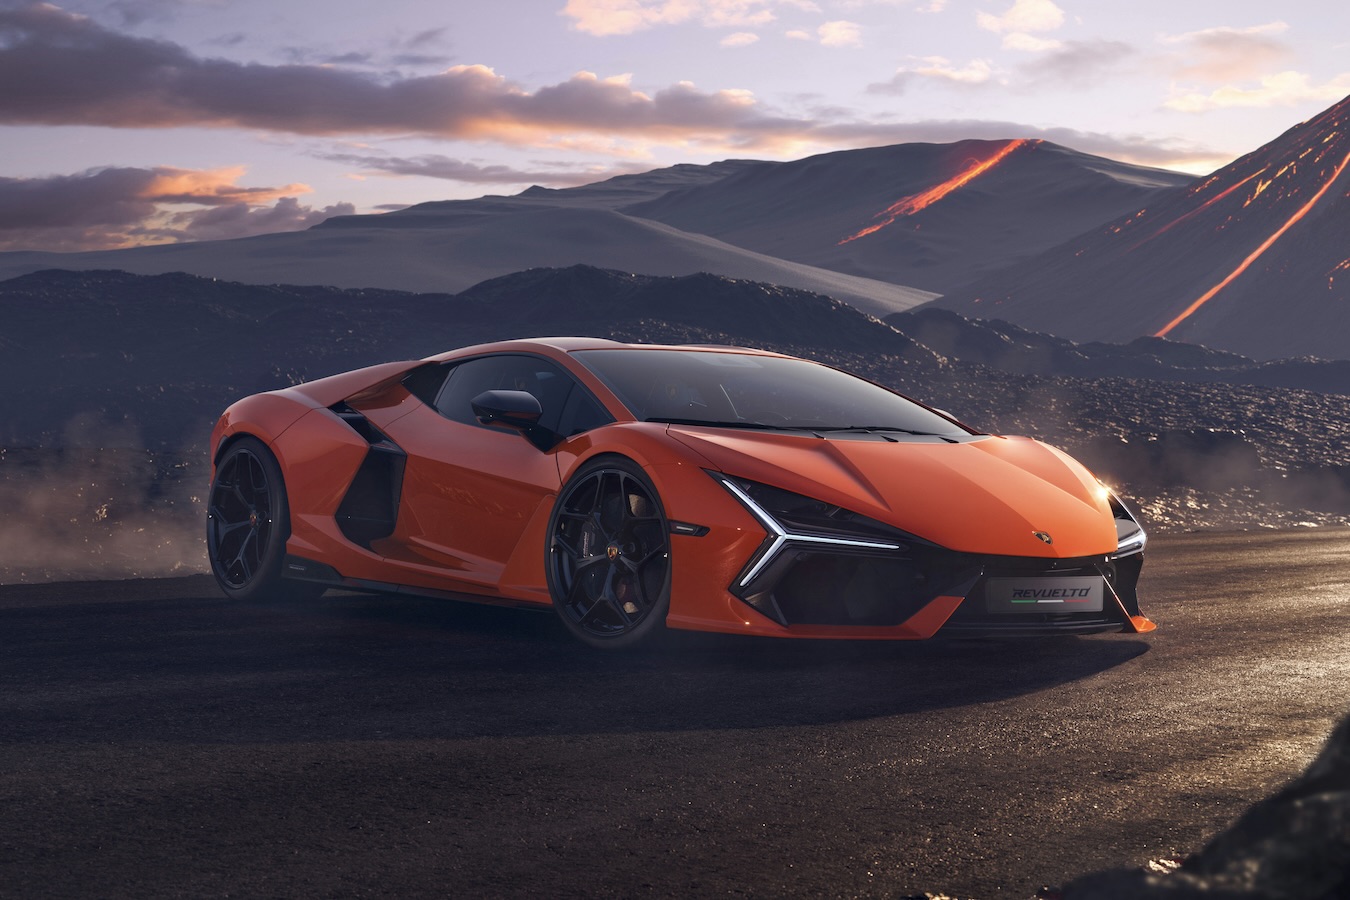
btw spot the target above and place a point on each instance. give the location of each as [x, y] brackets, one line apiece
[988, 495]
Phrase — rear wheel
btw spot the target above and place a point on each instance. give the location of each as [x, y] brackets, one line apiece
[247, 524]
[608, 558]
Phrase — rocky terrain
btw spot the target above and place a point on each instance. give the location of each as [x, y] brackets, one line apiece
[103, 465]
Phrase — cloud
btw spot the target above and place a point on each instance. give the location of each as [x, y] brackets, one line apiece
[605, 18]
[1019, 23]
[1073, 64]
[1077, 64]
[1020, 40]
[68, 70]
[137, 12]
[840, 34]
[451, 169]
[243, 220]
[936, 69]
[739, 39]
[1279, 89]
[1023, 16]
[1224, 54]
[119, 207]
[932, 6]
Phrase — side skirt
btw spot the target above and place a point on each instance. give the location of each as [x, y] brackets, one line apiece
[297, 568]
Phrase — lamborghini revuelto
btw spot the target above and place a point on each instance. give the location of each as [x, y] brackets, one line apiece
[637, 487]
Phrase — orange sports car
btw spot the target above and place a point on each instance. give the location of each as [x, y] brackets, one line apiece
[635, 487]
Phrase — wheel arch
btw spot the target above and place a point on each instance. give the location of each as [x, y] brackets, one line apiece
[262, 416]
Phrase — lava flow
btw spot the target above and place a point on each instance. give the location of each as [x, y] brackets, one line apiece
[1256, 254]
[1199, 209]
[908, 206]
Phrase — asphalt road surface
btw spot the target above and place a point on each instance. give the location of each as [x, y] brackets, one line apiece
[157, 740]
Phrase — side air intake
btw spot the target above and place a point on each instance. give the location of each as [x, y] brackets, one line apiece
[369, 510]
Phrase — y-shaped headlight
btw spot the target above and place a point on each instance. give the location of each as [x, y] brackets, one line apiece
[795, 520]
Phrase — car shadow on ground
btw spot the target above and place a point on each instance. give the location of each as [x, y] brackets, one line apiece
[195, 666]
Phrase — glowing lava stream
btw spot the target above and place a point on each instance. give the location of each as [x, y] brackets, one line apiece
[1255, 254]
[1199, 209]
[908, 206]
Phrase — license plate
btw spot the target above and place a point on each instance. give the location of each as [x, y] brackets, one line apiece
[1042, 595]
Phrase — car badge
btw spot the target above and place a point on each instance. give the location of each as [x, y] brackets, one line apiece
[612, 551]
[1043, 537]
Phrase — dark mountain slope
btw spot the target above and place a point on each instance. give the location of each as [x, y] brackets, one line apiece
[955, 210]
[1254, 259]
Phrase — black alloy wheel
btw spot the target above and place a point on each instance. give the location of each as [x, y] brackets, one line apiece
[247, 524]
[609, 555]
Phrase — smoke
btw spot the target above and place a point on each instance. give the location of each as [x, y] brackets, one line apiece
[97, 508]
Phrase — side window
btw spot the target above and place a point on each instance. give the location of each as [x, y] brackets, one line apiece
[559, 396]
[582, 413]
[425, 382]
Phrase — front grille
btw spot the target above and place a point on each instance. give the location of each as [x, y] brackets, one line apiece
[813, 586]
[825, 587]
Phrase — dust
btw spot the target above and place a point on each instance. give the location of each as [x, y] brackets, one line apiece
[99, 507]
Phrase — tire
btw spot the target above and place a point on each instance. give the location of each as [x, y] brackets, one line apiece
[247, 524]
[608, 555]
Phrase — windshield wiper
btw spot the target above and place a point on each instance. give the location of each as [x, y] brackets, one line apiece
[711, 423]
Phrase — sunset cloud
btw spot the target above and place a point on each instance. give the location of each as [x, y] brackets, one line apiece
[937, 69]
[840, 34]
[739, 39]
[1020, 23]
[72, 71]
[605, 18]
[120, 207]
[450, 169]
[1279, 89]
[1226, 54]
[1077, 64]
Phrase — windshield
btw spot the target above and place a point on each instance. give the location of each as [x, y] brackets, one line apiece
[748, 391]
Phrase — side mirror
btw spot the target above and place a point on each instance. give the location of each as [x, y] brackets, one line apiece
[516, 409]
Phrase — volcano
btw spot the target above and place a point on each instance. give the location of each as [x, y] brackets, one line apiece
[931, 216]
[1254, 259]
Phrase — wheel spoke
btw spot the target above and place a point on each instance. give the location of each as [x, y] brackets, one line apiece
[240, 557]
[609, 516]
[579, 597]
[230, 528]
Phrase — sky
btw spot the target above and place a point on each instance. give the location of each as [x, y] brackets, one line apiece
[126, 122]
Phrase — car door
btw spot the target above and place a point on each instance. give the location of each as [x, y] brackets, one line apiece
[471, 492]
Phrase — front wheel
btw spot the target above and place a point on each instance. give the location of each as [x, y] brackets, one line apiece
[608, 560]
[247, 524]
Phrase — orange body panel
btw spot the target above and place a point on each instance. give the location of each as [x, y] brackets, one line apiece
[475, 501]
[967, 497]
[469, 494]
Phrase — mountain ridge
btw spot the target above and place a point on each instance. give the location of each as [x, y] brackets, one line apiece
[451, 245]
[1030, 195]
[1252, 259]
